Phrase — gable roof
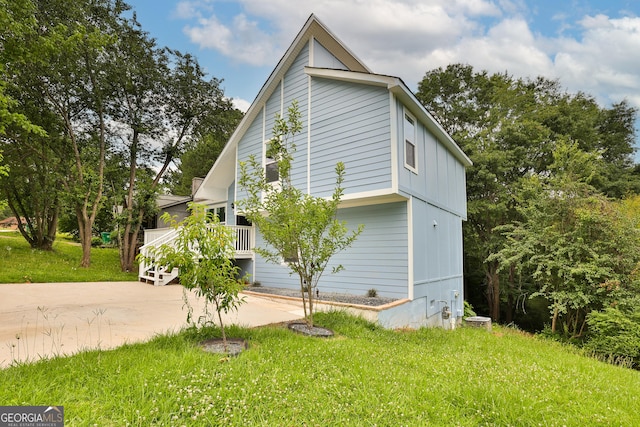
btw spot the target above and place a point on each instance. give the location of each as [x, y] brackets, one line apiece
[224, 167]
[225, 163]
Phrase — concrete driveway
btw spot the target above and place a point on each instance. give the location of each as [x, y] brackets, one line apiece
[48, 319]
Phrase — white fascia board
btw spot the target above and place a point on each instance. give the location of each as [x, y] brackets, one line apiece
[367, 198]
[352, 76]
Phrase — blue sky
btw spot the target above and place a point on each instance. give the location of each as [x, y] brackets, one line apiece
[590, 45]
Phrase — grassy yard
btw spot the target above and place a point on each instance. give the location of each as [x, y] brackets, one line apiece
[364, 376]
[20, 264]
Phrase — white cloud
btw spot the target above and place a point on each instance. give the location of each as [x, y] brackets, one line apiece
[604, 62]
[241, 104]
[410, 37]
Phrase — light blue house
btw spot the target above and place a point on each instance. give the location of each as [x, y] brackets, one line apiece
[405, 179]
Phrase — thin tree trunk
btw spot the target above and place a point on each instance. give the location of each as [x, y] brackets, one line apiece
[85, 236]
[310, 304]
[224, 337]
[304, 300]
[493, 292]
[554, 320]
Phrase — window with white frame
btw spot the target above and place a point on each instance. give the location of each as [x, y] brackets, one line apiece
[220, 212]
[410, 152]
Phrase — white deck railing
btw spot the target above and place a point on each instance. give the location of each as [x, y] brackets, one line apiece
[244, 243]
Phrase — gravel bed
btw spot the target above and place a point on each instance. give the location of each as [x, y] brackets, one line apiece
[326, 296]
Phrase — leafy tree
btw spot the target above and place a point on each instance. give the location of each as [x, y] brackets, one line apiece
[164, 101]
[573, 245]
[38, 208]
[300, 229]
[201, 153]
[4, 171]
[614, 335]
[203, 253]
[510, 128]
[63, 71]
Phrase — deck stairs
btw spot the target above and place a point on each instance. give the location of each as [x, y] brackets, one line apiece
[160, 275]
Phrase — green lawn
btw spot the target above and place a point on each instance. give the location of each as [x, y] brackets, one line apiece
[364, 376]
[20, 264]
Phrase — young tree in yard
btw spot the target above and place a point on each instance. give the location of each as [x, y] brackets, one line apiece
[203, 253]
[299, 228]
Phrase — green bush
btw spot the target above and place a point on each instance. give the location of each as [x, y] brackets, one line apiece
[96, 241]
[468, 310]
[614, 336]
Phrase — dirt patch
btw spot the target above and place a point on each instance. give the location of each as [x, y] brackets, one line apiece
[234, 346]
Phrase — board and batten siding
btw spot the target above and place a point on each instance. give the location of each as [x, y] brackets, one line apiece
[350, 122]
[249, 145]
[440, 177]
[437, 243]
[377, 260]
[322, 58]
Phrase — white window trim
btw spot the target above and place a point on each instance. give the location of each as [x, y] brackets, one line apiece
[215, 208]
[412, 141]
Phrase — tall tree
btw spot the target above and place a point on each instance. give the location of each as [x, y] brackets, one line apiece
[164, 101]
[573, 246]
[22, 191]
[65, 70]
[510, 128]
[201, 153]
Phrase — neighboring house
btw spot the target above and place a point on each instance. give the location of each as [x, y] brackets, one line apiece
[173, 205]
[11, 223]
[405, 178]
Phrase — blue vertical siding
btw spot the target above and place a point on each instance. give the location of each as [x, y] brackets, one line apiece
[437, 252]
[377, 260]
[440, 178]
[231, 213]
[350, 123]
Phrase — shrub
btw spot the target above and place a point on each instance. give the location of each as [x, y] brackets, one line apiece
[614, 335]
[372, 293]
[468, 310]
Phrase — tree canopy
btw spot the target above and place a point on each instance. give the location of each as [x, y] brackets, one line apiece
[106, 97]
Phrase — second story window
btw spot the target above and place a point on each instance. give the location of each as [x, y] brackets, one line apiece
[271, 167]
[410, 155]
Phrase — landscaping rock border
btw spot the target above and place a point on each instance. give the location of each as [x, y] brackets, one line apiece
[326, 296]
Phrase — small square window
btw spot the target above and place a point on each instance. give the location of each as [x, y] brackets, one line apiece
[271, 171]
[410, 154]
